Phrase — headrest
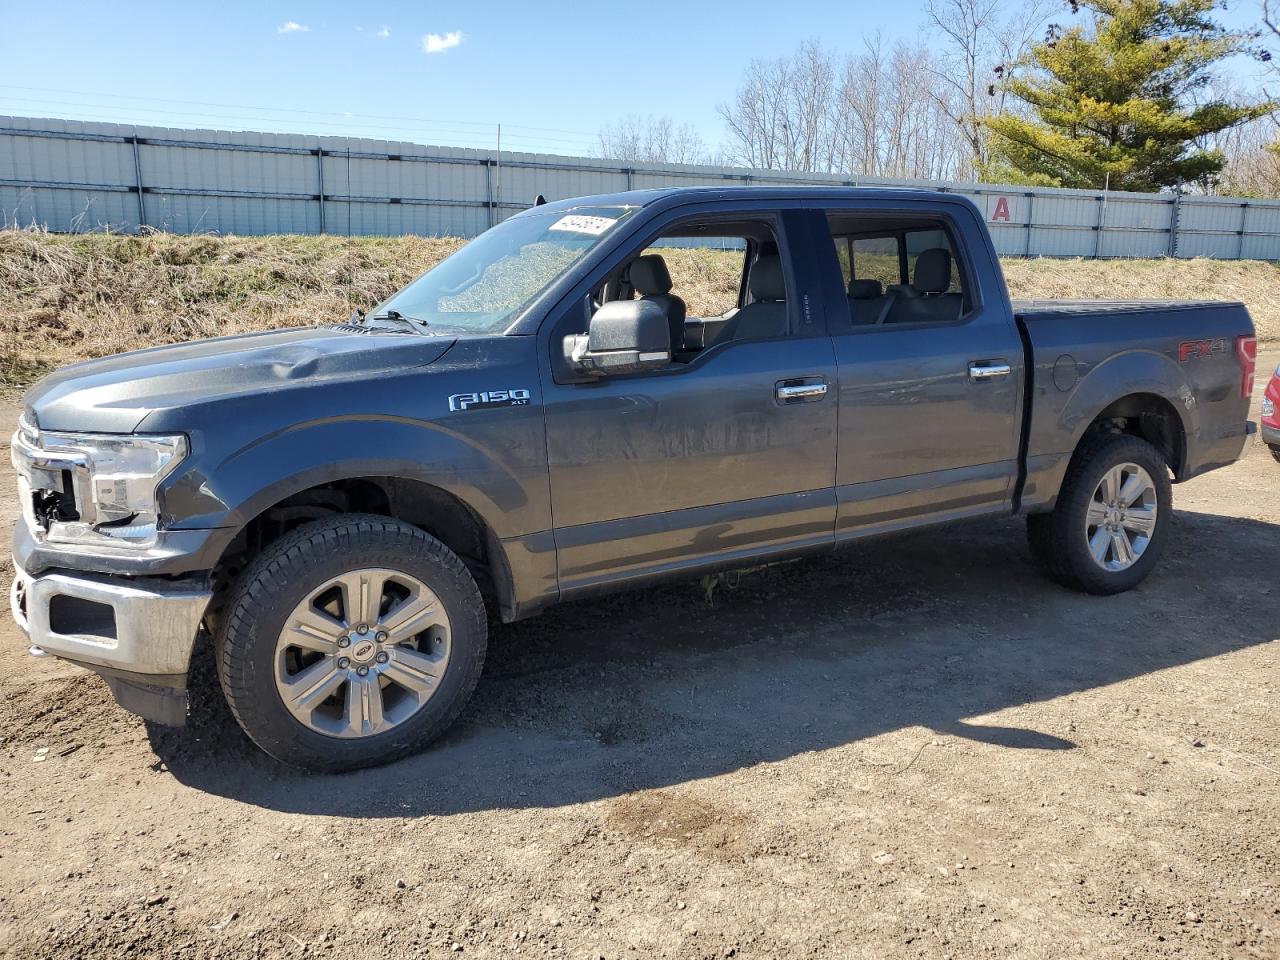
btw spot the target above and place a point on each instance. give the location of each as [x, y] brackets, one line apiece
[649, 275]
[933, 271]
[865, 289]
[765, 282]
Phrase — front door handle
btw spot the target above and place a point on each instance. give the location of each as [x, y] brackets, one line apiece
[987, 369]
[788, 392]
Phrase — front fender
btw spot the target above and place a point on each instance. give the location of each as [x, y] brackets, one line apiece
[233, 489]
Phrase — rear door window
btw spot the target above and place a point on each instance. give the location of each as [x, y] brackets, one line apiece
[897, 270]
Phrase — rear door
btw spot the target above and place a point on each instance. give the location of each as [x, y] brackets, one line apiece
[713, 459]
[929, 383]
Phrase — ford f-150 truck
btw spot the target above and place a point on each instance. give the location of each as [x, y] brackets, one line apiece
[343, 509]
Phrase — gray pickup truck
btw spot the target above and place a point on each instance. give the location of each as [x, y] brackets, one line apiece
[344, 508]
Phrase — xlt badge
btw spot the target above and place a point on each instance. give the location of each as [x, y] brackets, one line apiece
[488, 398]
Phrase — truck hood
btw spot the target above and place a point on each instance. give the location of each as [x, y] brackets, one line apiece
[115, 394]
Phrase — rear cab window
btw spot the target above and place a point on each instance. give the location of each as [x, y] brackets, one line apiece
[875, 258]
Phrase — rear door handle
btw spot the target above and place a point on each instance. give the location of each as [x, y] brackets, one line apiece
[987, 369]
[791, 392]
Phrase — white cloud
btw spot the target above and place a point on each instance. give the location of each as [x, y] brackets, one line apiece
[383, 33]
[292, 26]
[435, 43]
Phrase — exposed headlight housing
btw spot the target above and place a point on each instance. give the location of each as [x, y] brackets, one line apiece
[93, 488]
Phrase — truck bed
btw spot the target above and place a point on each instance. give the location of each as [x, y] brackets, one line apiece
[1086, 354]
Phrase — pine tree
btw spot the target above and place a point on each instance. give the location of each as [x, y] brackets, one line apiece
[1121, 99]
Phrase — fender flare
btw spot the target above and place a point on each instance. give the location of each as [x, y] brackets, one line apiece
[1128, 374]
[269, 469]
[249, 481]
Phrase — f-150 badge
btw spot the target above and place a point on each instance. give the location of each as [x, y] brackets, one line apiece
[486, 399]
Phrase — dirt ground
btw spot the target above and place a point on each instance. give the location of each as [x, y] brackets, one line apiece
[916, 748]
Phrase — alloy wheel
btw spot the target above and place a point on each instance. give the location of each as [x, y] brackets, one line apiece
[1121, 517]
[362, 653]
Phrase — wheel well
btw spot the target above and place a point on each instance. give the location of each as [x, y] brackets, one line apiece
[429, 508]
[1148, 417]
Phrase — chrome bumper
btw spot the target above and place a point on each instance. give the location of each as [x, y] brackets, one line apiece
[144, 627]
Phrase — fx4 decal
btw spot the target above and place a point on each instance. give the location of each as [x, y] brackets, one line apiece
[487, 399]
[1201, 349]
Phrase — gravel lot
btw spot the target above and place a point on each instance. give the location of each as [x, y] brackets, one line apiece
[915, 748]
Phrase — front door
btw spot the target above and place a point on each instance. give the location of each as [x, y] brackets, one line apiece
[727, 453]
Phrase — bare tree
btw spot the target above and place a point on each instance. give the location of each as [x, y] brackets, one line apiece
[754, 119]
[900, 110]
[981, 42]
[780, 119]
[1253, 161]
[889, 124]
[652, 140]
[867, 114]
[1252, 149]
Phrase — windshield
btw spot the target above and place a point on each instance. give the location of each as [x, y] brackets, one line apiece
[482, 287]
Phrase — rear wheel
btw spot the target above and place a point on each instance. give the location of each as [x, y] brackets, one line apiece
[351, 642]
[1111, 520]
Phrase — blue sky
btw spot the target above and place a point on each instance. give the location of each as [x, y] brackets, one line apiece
[553, 73]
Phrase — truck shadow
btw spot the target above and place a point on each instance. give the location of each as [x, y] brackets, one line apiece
[599, 698]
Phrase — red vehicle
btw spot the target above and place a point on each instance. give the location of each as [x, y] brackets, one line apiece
[1271, 415]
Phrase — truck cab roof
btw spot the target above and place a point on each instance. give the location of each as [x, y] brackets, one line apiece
[779, 192]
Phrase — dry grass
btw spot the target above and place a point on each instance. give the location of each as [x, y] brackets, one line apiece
[707, 280]
[66, 298]
[1254, 282]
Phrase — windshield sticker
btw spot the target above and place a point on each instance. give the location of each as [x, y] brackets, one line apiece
[579, 223]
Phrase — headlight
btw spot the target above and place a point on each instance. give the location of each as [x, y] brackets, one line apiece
[108, 485]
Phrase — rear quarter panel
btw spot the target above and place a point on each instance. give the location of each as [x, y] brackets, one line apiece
[1085, 356]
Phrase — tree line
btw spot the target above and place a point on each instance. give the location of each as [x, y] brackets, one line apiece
[1125, 94]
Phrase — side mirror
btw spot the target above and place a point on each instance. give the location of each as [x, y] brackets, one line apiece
[624, 336]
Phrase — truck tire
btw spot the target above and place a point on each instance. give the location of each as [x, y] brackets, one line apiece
[350, 642]
[1111, 519]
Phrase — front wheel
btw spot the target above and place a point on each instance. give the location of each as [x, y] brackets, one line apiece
[1111, 520]
[351, 642]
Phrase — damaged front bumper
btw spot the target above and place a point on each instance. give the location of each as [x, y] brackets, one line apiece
[137, 632]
